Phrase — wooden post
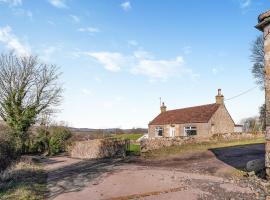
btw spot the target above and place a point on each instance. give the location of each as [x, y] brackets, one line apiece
[264, 26]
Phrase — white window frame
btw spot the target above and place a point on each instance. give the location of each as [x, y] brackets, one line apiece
[157, 129]
[189, 128]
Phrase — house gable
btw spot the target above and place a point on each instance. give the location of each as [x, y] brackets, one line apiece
[221, 121]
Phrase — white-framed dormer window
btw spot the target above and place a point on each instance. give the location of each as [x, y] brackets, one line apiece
[159, 131]
[190, 131]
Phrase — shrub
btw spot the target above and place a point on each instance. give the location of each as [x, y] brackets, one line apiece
[58, 139]
[39, 142]
[8, 151]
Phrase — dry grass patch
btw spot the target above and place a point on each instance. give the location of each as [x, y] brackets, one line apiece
[23, 181]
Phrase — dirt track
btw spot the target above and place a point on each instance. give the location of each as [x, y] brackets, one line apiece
[204, 175]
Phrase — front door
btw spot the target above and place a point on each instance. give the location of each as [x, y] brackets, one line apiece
[172, 131]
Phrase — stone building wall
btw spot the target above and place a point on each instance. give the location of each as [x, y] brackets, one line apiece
[221, 121]
[202, 129]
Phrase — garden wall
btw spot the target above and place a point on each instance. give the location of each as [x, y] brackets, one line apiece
[157, 143]
[98, 148]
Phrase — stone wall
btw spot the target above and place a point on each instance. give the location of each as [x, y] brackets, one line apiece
[158, 143]
[221, 121]
[99, 148]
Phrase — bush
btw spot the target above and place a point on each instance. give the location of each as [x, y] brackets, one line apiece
[8, 151]
[58, 139]
[39, 141]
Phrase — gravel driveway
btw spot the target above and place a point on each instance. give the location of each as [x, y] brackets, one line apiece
[203, 175]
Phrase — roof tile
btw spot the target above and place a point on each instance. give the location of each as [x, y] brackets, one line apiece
[197, 114]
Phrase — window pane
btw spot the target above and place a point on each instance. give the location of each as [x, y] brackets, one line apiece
[159, 131]
[190, 130]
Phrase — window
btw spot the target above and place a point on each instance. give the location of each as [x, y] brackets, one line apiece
[190, 130]
[159, 131]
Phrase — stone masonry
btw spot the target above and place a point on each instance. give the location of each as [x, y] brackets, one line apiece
[264, 26]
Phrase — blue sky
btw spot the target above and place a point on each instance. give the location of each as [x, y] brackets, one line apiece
[119, 56]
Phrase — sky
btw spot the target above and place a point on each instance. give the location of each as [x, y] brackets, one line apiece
[118, 57]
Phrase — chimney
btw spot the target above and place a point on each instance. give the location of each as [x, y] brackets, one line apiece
[219, 98]
[163, 108]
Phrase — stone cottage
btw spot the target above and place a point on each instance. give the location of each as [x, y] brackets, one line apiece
[200, 121]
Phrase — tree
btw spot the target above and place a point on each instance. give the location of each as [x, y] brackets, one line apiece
[257, 57]
[27, 89]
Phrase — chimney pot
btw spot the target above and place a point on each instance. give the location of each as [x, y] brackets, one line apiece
[219, 97]
[163, 108]
[219, 92]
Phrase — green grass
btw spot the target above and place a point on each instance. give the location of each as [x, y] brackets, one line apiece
[198, 147]
[23, 182]
[134, 149]
[134, 136]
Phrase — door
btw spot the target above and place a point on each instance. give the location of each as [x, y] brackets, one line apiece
[172, 131]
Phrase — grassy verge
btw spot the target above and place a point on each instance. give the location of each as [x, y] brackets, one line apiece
[134, 136]
[134, 149]
[197, 147]
[23, 182]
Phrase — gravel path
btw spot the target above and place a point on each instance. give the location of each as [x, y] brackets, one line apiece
[192, 176]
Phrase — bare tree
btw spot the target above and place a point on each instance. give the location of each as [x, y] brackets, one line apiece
[258, 71]
[27, 88]
[257, 57]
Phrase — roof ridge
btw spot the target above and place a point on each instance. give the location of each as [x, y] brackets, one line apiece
[193, 107]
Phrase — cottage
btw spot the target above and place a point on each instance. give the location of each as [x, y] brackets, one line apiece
[200, 121]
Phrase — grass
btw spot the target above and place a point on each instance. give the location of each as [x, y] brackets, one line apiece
[198, 147]
[23, 182]
[134, 149]
[134, 136]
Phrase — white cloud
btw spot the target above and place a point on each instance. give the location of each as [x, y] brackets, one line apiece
[75, 18]
[119, 98]
[12, 2]
[49, 52]
[126, 6]
[112, 61]
[142, 62]
[245, 3]
[12, 42]
[89, 30]
[86, 92]
[160, 68]
[58, 3]
[141, 54]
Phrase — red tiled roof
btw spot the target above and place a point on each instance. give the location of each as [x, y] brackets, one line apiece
[197, 114]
